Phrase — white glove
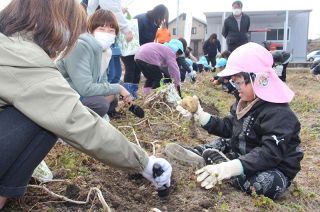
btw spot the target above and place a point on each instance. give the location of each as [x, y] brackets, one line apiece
[165, 178]
[210, 175]
[185, 113]
[202, 117]
[192, 74]
[278, 69]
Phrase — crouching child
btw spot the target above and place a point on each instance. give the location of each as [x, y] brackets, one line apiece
[259, 149]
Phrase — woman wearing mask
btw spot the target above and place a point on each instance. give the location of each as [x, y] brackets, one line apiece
[37, 105]
[114, 69]
[85, 67]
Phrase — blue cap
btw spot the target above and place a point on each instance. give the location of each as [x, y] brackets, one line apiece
[203, 61]
[189, 61]
[175, 45]
[221, 62]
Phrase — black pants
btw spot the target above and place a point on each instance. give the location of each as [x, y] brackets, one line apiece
[271, 183]
[195, 67]
[132, 72]
[211, 59]
[283, 77]
[153, 74]
[24, 144]
[100, 104]
[183, 73]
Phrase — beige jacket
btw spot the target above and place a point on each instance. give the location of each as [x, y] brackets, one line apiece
[31, 83]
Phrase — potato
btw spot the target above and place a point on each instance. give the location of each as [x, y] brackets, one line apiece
[190, 103]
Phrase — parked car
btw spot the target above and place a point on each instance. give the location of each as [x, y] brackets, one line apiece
[313, 56]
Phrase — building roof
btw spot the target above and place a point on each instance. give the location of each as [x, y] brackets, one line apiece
[257, 13]
[193, 18]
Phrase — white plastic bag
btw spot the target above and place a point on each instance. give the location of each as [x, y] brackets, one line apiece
[129, 48]
[42, 172]
[166, 92]
[170, 92]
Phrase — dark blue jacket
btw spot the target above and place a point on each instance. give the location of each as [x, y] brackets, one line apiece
[147, 29]
[211, 49]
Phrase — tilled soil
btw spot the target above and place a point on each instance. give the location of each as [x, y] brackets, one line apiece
[130, 192]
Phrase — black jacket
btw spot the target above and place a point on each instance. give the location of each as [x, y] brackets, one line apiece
[230, 31]
[315, 67]
[183, 67]
[315, 64]
[211, 49]
[266, 137]
[281, 57]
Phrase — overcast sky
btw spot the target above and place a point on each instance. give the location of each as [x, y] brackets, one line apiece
[197, 7]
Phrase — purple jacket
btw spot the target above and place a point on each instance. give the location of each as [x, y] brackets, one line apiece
[162, 56]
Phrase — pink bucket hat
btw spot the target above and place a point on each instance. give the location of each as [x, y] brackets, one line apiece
[253, 58]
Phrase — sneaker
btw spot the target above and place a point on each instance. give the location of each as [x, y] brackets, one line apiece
[199, 149]
[213, 156]
[192, 150]
[177, 152]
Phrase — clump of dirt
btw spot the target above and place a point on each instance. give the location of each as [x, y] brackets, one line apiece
[72, 191]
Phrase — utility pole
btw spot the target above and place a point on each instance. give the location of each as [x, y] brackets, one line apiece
[177, 20]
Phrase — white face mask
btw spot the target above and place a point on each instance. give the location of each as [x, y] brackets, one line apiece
[105, 39]
[236, 12]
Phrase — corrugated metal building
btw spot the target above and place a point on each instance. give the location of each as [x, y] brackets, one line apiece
[270, 26]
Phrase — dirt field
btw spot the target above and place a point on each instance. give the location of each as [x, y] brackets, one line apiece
[124, 192]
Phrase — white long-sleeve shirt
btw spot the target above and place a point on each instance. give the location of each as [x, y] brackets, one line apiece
[112, 5]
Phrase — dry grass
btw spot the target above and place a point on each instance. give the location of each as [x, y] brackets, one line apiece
[162, 126]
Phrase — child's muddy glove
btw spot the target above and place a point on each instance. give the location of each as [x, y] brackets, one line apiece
[164, 178]
[190, 103]
[202, 117]
[186, 114]
[187, 106]
[190, 106]
[210, 175]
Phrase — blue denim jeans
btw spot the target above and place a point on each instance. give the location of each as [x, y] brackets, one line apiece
[24, 144]
[114, 69]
